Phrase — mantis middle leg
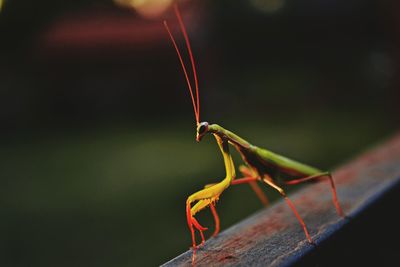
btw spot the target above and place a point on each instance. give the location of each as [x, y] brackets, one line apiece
[251, 177]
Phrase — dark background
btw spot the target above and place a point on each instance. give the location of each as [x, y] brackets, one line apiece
[97, 149]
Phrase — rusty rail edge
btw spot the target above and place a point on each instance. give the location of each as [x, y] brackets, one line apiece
[273, 237]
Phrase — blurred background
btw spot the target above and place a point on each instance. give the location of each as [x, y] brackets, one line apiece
[97, 147]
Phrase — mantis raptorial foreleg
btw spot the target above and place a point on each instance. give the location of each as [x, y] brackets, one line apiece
[214, 213]
[251, 179]
[204, 198]
[269, 181]
[319, 176]
[209, 195]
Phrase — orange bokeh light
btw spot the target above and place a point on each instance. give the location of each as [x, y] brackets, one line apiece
[146, 8]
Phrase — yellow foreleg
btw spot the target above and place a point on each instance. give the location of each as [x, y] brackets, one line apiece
[210, 194]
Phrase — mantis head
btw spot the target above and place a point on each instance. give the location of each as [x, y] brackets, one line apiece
[202, 129]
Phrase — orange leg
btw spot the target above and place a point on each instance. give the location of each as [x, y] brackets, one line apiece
[260, 194]
[319, 176]
[244, 180]
[252, 181]
[268, 181]
[193, 223]
[251, 177]
[190, 224]
[216, 219]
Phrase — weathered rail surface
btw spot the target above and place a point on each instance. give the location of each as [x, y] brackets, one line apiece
[273, 236]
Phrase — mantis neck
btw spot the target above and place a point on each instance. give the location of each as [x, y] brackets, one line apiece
[228, 135]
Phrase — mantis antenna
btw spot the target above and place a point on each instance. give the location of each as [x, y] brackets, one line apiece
[195, 102]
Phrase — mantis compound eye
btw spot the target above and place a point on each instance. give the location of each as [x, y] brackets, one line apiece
[203, 127]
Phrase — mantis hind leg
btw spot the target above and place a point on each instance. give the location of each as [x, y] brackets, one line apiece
[268, 181]
[317, 177]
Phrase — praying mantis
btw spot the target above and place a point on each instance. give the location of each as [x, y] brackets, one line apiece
[261, 165]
